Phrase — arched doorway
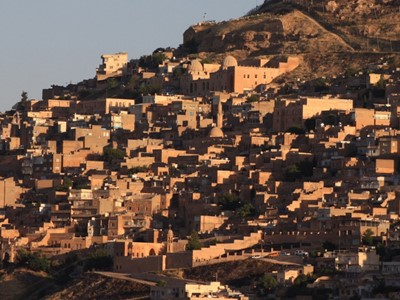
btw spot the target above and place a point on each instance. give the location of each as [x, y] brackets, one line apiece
[6, 259]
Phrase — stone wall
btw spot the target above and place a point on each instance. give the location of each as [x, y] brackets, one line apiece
[124, 264]
[179, 260]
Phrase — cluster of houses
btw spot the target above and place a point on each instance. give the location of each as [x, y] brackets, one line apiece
[249, 170]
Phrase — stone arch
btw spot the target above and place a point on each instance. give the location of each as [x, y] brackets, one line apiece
[6, 258]
[152, 252]
[130, 248]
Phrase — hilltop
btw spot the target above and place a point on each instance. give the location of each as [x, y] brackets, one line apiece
[366, 25]
[327, 35]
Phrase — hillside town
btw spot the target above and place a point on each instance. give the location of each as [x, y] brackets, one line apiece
[172, 162]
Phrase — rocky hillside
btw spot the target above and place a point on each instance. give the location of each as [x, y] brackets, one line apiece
[94, 286]
[238, 274]
[266, 34]
[26, 284]
[367, 25]
[326, 34]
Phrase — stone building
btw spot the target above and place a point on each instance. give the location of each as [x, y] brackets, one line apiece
[113, 65]
[230, 77]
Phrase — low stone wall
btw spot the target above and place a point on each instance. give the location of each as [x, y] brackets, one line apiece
[124, 264]
[228, 258]
[179, 260]
[220, 249]
[314, 238]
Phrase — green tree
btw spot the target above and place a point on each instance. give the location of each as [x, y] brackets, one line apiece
[39, 263]
[112, 83]
[292, 173]
[178, 72]
[84, 94]
[134, 81]
[321, 85]
[152, 61]
[111, 154]
[385, 253]
[138, 169]
[150, 89]
[299, 170]
[81, 183]
[24, 101]
[99, 260]
[162, 283]
[194, 241]
[158, 58]
[24, 97]
[23, 256]
[159, 50]
[367, 238]
[213, 242]
[229, 201]
[381, 83]
[206, 60]
[253, 98]
[67, 184]
[303, 280]
[33, 260]
[266, 284]
[246, 210]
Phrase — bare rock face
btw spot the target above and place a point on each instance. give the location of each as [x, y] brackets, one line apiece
[353, 9]
[331, 6]
[342, 9]
[247, 33]
[248, 36]
[267, 34]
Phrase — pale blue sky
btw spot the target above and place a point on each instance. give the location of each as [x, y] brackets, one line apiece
[45, 42]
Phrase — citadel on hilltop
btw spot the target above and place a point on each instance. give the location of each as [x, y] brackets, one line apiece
[178, 162]
[230, 77]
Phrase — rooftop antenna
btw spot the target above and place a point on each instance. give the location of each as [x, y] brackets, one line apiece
[204, 16]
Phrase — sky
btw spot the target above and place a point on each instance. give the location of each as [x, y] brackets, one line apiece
[45, 42]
